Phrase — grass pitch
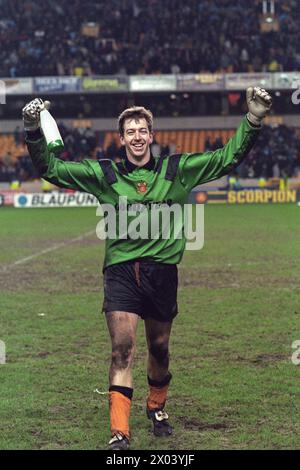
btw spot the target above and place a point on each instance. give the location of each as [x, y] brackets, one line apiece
[234, 385]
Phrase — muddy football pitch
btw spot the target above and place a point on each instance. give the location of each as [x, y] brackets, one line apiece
[235, 374]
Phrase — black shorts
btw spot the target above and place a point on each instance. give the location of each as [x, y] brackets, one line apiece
[144, 287]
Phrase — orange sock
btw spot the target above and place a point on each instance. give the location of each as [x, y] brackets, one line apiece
[158, 392]
[119, 410]
[157, 397]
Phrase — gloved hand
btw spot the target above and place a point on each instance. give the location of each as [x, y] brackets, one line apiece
[259, 104]
[31, 113]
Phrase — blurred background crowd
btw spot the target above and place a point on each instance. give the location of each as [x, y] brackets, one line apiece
[38, 38]
[144, 37]
[276, 154]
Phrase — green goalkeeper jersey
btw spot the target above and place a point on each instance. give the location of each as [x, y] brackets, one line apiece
[161, 183]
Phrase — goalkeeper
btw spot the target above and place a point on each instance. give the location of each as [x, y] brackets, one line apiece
[140, 275]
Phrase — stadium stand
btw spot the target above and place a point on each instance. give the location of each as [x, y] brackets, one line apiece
[149, 37]
[276, 155]
[144, 37]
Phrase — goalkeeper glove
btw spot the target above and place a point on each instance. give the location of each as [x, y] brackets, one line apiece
[259, 104]
[31, 113]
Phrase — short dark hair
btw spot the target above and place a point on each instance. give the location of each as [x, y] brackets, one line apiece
[135, 112]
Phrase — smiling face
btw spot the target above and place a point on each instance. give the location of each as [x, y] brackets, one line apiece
[136, 138]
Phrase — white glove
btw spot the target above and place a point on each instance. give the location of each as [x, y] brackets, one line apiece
[259, 103]
[31, 113]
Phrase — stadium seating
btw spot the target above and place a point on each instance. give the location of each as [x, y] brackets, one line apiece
[185, 141]
[276, 154]
[188, 141]
[8, 145]
[145, 37]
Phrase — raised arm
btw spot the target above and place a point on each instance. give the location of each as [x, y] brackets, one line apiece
[198, 168]
[82, 176]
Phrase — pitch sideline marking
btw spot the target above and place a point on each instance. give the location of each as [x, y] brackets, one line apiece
[47, 250]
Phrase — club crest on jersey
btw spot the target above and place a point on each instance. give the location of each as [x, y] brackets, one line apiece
[141, 187]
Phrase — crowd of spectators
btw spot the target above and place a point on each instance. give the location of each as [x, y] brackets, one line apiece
[276, 154]
[78, 144]
[39, 38]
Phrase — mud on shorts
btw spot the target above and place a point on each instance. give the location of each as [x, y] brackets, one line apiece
[142, 286]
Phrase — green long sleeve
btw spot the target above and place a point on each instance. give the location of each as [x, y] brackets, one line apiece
[198, 168]
[81, 176]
